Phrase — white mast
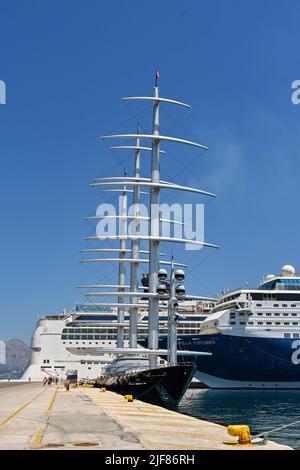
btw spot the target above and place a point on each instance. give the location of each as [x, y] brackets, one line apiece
[153, 323]
[135, 248]
[122, 269]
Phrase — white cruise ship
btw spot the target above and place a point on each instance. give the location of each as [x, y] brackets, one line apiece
[54, 334]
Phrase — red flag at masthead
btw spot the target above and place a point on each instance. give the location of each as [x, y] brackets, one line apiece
[157, 76]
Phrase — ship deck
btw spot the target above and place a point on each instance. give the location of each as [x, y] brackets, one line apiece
[36, 417]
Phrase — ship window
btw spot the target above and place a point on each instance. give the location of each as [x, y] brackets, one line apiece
[296, 335]
[293, 305]
[232, 323]
[275, 305]
[277, 323]
[284, 305]
[269, 323]
[250, 323]
[286, 323]
[295, 323]
[269, 314]
[260, 323]
[242, 323]
[287, 335]
[277, 314]
[294, 314]
[259, 314]
[258, 305]
[285, 314]
[64, 337]
[242, 313]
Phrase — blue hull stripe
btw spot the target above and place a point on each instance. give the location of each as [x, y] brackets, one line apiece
[244, 359]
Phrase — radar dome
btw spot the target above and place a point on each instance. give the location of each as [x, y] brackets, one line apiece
[288, 271]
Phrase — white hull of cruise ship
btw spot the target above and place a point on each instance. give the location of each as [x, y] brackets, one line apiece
[50, 356]
[55, 335]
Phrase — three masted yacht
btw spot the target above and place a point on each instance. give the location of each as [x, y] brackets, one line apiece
[138, 370]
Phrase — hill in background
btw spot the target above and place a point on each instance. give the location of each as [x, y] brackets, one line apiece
[17, 358]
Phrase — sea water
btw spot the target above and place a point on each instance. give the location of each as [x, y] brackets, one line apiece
[261, 410]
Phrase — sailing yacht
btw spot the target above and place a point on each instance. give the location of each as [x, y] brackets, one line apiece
[161, 382]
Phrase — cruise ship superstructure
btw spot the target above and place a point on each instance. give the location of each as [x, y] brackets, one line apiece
[54, 334]
[253, 335]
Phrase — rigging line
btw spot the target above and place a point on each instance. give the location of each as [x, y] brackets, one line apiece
[194, 136]
[176, 121]
[131, 118]
[135, 115]
[186, 167]
[277, 429]
[190, 271]
[121, 161]
[106, 276]
[115, 166]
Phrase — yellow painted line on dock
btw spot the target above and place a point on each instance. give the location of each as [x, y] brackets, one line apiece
[37, 440]
[161, 429]
[21, 408]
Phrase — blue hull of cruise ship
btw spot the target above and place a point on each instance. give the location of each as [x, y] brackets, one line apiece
[243, 362]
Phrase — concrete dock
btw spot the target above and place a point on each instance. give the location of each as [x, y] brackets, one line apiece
[36, 417]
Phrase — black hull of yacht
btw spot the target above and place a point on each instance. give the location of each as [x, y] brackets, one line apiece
[163, 386]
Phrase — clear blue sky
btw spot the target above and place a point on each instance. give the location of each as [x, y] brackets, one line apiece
[67, 64]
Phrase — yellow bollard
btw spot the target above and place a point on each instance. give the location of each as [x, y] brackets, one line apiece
[128, 397]
[242, 431]
[102, 389]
